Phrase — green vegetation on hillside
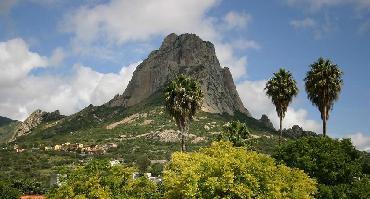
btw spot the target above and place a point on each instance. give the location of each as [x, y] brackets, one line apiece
[7, 129]
[341, 170]
[218, 171]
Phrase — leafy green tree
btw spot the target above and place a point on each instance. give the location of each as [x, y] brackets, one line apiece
[336, 165]
[7, 191]
[323, 84]
[281, 88]
[98, 179]
[224, 171]
[236, 132]
[183, 98]
[143, 163]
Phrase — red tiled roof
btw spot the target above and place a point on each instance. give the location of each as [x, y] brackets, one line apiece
[33, 197]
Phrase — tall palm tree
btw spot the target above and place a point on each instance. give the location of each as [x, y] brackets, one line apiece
[183, 98]
[323, 84]
[281, 88]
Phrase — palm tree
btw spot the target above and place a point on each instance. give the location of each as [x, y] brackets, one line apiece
[323, 84]
[281, 88]
[183, 98]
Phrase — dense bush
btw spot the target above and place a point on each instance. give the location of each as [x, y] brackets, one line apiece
[98, 180]
[336, 164]
[7, 191]
[236, 132]
[224, 171]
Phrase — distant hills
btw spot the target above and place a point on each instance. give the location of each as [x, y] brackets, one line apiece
[7, 128]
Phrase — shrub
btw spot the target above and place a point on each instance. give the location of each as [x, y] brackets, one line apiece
[235, 132]
[98, 180]
[224, 171]
[336, 164]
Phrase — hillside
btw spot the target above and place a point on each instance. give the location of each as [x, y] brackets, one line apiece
[7, 129]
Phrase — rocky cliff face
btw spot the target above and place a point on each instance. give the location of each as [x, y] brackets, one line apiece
[266, 121]
[36, 118]
[184, 54]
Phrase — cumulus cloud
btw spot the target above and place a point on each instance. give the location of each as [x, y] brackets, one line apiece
[16, 61]
[68, 94]
[254, 98]
[22, 92]
[361, 141]
[57, 57]
[120, 21]
[226, 55]
[236, 20]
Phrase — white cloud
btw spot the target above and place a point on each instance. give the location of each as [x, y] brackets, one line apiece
[67, 94]
[120, 21]
[319, 29]
[304, 23]
[16, 61]
[236, 20]
[104, 26]
[361, 141]
[57, 57]
[237, 65]
[254, 98]
[22, 92]
[318, 4]
[243, 44]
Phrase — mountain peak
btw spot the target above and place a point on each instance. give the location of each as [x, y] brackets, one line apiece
[184, 54]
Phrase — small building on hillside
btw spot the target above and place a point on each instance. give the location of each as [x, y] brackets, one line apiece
[33, 197]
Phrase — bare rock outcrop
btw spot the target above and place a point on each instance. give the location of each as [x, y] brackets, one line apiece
[35, 119]
[184, 54]
[266, 121]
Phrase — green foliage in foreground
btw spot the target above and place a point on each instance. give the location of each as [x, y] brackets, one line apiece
[336, 164]
[235, 132]
[7, 191]
[99, 180]
[224, 171]
[218, 171]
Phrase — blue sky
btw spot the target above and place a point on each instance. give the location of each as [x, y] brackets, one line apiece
[65, 55]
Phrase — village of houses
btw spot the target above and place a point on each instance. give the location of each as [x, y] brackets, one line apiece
[82, 149]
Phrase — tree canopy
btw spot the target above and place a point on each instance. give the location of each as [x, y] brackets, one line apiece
[224, 171]
[99, 180]
[336, 164]
[236, 132]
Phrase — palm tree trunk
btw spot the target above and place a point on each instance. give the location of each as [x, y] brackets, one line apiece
[183, 131]
[281, 130]
[324, 122]
[183, 141]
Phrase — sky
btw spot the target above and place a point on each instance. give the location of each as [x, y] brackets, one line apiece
[65, 55]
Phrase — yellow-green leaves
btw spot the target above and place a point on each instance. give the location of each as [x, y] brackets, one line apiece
[224, 171]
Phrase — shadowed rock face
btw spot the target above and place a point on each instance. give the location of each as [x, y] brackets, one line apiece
[184, 54]
[36, 118]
